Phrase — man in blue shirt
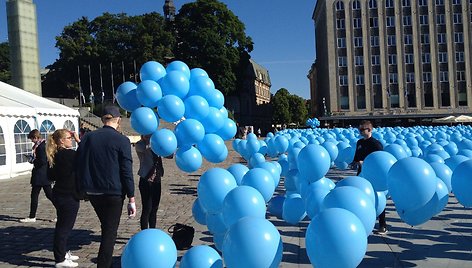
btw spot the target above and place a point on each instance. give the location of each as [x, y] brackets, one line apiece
[105, 172]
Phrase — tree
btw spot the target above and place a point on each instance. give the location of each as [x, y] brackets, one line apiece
[298, 111]
[5, 65]
[280, 106]
[211, 37]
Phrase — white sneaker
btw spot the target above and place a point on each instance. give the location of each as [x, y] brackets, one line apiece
[28, 220]
[71, 257]
[54, 220]
[67, 263]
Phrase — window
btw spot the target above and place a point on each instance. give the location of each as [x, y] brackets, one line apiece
[374, 22]
[422, 3]
[424, 38]
[22, 143]
[442, 57]
[408, 39]
[373, 4]
[440, 2]
[47, 127]
[426, 58]
[440, 19]
[356, 22]
[360, 79]
[356, 5]
[459, 56]
[393, 78]
[392, 59]
[427, 77]
[410, 77]
[343, 80]
[443, 76]
[388, 3]
[342, 61]
[409, 58]
[3, 152]
[460, 76]
[374, 41]
[457, 18]
[359, 60]
[458, 37]
[456, 2]
[375, 59]
[407, 21]
[423, 19]
[339, 5]
[341, 42]
[391, 40]
[357, 41]
[390, 21]
[441, 38]
[406, 3]
[340, 24]
[376, 79]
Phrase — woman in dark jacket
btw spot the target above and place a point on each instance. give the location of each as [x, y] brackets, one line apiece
[39, 178]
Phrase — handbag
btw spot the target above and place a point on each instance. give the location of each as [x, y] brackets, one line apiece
[182, 235]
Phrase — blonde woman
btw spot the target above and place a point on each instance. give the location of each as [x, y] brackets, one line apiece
[62, 159]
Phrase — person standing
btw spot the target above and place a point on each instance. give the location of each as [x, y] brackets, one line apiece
[62, 159]
[364, 147]
[39, 178]
[150, 173]
[105, 173]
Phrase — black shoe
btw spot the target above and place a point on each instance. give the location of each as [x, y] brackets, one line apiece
[382, 230]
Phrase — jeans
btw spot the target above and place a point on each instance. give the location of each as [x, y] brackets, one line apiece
[67, 208]
[150, 197]
[35, 195]
[108, 209]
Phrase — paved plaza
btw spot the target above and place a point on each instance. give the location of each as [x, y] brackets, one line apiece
[444, 241]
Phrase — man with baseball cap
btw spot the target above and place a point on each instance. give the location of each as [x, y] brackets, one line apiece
[105, 172]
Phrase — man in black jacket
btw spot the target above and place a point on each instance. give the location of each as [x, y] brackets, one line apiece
[105, 171]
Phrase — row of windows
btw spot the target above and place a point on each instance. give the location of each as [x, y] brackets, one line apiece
[356, 5]
[392, 59]
[409, 78]
[408, 40]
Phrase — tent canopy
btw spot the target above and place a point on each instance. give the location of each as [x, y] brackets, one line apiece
[454, 119]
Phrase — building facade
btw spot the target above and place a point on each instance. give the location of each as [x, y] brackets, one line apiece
[23, 41]
[393, 57]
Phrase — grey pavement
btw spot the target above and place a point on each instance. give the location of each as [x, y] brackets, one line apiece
[444, 241]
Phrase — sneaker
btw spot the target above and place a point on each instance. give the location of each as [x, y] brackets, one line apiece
[54, 220]
[71, 257]
[28, 220]
[382, 230]
[67, 263]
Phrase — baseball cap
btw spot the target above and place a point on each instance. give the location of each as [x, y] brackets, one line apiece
[112, 111]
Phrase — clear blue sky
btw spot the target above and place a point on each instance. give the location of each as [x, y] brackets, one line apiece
[282, 31]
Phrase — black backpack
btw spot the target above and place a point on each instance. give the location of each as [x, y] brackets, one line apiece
[182, 235]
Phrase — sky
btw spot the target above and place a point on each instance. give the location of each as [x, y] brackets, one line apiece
[282, 31]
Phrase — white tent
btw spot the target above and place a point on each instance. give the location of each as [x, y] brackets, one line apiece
[21, 112]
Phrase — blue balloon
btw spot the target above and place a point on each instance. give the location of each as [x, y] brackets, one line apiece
[281, 144]
[462, 184]
[293, 209]
[243, 201]
[375, 169]
[201, 86]
[283, 161]
[430, 158]
[291, 180]
[152, 70]
[228, 130]
[213, 187]
[201, 256]
[275, 205]
[171, 108]
[362, 184]
[148, 93]
[149, 248]
[196, 72]
[196, 107]
[314, 197]
[444, 173]
[198, 212]
[396, 150]
[252, 147]
[189, 132]
[216, 223]
[336, 238]
[453, 161]
[213, 148]
[175, 83]
[238, 171]
[163, 142]
[332, 149]
[256, 159]
[144, 121]
[215, 98]
[188, 158]
[272, 168]
[179, 66]
[313, 162]
[380, 202]
[252, 242]
[126, 96]
[260, 179]
[213, 121]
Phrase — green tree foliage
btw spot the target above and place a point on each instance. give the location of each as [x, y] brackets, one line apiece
[280, 106]
[5, 73]
[211, 37]
[298, 111]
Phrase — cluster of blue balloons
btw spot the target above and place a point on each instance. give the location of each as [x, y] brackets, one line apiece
[189, 99]
[312, 122]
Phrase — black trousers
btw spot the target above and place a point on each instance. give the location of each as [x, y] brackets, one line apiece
[108, 209]
[150, 197]
[35, 196]
[67, 208]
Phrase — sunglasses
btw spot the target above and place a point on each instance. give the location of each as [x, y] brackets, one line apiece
[362, 129]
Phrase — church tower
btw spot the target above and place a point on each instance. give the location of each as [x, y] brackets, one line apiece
[23, 41]
[169, 10]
